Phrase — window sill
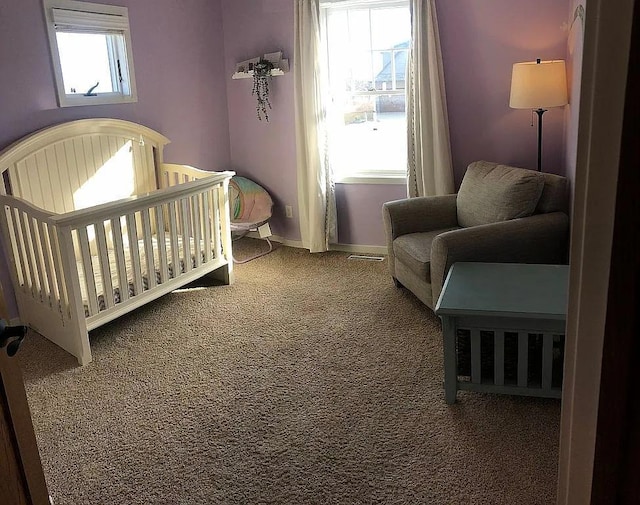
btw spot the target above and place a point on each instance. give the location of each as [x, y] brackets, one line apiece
[373, 179]
[101, 99]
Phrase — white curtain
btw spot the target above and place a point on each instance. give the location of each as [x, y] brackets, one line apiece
[316, 197]
[429, 170]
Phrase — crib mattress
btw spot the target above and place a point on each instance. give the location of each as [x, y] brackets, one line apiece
[101, 300]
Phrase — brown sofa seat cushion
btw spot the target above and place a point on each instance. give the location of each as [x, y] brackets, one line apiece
[414, 250]
[491, 193]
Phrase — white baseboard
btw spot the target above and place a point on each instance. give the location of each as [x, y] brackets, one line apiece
[379, 250]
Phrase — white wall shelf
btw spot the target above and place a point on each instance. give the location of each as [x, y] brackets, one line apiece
[283, 68]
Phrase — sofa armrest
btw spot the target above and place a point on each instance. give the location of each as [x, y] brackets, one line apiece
[413, 215]
[541, 238]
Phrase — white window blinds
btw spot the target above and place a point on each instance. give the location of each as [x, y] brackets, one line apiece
[90, 21]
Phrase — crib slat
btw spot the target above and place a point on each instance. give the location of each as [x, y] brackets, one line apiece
[475, 357]
[225, 225]
[197, 226]
[59, 273]
[162, 244]
[27, 253]
[134, 249]
[547, 361]
[105, 267]
[186, 239]
[498, 358]
[8, 232]
[121, 265]
[190, 216]
[148, 249]
[523, 358]
[206, 220]
[48, 267]
[41, 274]
[87, 266]
[217, 246]
[16, 243]
[173, 233]
[37, 259]
[19, 247]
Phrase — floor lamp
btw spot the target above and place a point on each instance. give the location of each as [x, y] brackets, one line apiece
[538, 85]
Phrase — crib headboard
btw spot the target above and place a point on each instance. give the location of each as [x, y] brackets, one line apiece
[82, 163]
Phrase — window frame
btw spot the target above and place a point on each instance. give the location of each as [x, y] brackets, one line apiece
[398, 176]
[88, 17]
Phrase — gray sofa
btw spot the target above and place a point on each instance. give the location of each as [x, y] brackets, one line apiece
[501, 214]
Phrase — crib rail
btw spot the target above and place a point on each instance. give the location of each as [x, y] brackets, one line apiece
[34, 252]
[128, 248]
[125, 248]
[43, 275]
[75, 266]
[85, 217]
[171, 174]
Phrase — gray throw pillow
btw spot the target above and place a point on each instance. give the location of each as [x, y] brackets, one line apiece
[491, 193]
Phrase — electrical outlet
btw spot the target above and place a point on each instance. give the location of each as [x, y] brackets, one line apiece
[288, 211]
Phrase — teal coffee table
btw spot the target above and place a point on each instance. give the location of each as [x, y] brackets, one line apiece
[503, 328]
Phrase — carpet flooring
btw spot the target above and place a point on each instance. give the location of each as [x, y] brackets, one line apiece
[310, 380]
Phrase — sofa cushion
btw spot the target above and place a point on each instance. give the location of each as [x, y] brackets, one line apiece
[554, 194]
[490, 193]
[414, 250]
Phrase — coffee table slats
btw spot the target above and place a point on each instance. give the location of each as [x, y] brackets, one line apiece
[498, 358]
[547, 361]
[493, 300]
[523, 358]
[476, 363]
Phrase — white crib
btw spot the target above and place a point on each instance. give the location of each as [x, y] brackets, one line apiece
[94, 225]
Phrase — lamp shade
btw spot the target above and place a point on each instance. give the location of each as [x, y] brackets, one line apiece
[538, 84]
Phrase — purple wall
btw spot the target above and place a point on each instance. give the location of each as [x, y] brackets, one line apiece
[574, 69]
[184, 60]
[264, 152]
[480, 43]
[360, 211]
[178, 54]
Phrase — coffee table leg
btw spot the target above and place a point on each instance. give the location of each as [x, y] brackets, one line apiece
[449, 348]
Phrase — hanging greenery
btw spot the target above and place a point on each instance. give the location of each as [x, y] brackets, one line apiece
[261, 76]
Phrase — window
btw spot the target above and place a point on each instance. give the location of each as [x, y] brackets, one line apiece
[91, 52]
[367, 45]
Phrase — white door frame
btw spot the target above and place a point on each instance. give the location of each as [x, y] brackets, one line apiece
[604, 75]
